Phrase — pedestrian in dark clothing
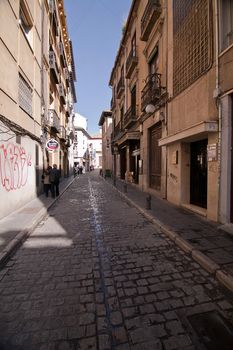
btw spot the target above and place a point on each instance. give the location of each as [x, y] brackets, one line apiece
[54, 179]
[47, 184]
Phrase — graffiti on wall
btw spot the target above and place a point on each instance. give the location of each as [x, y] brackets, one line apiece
[14, 165]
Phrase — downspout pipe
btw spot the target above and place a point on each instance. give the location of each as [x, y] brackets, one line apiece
[217, 92]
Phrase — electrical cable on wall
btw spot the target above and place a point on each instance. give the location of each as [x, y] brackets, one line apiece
[11, 127]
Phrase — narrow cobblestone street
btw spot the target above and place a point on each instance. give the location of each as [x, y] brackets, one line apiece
[95, 274]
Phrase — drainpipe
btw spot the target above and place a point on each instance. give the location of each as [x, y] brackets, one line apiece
[218, 101]
[166, 105]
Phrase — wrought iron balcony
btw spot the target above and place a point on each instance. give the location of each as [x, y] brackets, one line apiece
[53, 66]
[54, 121]
[150, 16]
[62, 133]
[131, 62]
[120, 87]
[153, 92]
[130, 117]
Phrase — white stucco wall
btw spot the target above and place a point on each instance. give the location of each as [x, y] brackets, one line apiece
[18, 173]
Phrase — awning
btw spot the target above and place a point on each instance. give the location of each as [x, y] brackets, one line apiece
[201, 130]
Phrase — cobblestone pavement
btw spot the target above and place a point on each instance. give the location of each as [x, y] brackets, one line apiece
[95, 274]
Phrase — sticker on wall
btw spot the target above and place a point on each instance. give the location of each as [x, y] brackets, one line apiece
[52, 145]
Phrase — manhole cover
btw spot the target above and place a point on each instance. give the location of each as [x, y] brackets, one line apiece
[213, 330]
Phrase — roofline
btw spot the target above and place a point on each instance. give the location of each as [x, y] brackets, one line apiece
[121, 47]
[79, 128]
[104, 115]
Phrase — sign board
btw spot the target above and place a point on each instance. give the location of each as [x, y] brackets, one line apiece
[212, 151]
[175, 157]
[52, 145]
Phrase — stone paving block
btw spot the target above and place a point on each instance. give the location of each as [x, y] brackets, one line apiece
[119, 335]
[155, 345]
[121, 279]
[116, 318]
[177, 342]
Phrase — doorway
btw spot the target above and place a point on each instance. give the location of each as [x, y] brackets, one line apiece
[198, 173]
[155, 157]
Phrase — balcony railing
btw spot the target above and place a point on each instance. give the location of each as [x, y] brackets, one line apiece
[54, 121]
[62, 133]
[153, 92]
[120, 87]
[131, 62]
[150, 16]
[130, 117]
[53, 66]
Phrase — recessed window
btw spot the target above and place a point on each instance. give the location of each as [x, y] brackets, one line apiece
[25, 22]
[226, 23]
[25, 95]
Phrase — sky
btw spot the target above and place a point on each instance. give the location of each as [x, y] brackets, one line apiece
[95, 28]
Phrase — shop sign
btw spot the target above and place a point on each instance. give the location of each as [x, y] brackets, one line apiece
[52, 145]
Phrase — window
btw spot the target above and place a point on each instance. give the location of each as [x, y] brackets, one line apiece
[122, 116]
[133, 45]
[226, 23]
[25, 22]
[192, 41]
[154, 62]
[25, 95]
[133, 101]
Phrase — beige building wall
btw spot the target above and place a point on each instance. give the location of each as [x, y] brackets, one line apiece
[196, 118]
[105, 123]
[25, 98]
[20, 108]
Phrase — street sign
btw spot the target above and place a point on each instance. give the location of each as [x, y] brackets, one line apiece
[52, 145]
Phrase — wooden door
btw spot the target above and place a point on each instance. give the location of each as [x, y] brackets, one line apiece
[155, 158]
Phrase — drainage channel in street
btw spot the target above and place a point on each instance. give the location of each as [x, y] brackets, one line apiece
[104, 265]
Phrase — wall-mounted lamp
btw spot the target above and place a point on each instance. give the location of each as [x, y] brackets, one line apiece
[150, 108]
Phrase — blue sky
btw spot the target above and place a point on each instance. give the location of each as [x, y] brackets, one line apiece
[95, 30]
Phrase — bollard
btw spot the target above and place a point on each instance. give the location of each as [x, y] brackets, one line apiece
[114, 180]
[148, 202]
[125, 188]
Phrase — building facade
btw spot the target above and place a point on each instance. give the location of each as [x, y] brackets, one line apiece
[95, 151]
[81, 155]
[105, 123]
[172, 103]
[36, 81]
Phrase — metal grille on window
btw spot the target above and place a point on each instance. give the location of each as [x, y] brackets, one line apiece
[192, 34]
[25, 96]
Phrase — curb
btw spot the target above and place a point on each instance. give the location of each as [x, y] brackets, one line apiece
[16, 242]
[204, 261]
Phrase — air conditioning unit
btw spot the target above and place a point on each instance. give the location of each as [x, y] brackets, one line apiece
[51, 6]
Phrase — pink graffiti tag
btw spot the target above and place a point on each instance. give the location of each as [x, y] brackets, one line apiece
[14, 163]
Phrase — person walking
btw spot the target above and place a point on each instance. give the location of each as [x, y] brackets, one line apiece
[47, 184]
[54, 179]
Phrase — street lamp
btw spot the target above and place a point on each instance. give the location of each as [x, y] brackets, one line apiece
[150, 109]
